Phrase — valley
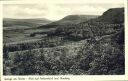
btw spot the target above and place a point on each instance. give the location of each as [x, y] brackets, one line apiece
[75, 45]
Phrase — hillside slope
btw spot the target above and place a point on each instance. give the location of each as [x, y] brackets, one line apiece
[113, 15]
[70, 20]
[8, 22]
[74, 19]
[94, 27]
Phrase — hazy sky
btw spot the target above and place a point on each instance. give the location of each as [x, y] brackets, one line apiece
[55, 11]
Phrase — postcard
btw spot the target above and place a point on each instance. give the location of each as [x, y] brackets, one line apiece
[63, 40]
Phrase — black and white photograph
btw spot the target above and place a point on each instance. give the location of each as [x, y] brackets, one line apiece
[64, 38]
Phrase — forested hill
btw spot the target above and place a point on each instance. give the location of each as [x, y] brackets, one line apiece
[70, 20]
[75, 19]
[113, 15]
[110, 22]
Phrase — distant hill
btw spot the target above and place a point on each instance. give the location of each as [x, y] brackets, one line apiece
[8, 22]
[75, 19]
[70, 20]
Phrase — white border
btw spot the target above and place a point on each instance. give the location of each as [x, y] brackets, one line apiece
[126, 38]
[72, 77]
[1, 39]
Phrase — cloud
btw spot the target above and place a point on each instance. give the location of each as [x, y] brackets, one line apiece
[55, 11]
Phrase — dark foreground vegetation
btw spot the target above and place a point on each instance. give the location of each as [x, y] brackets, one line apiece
[93, 47]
